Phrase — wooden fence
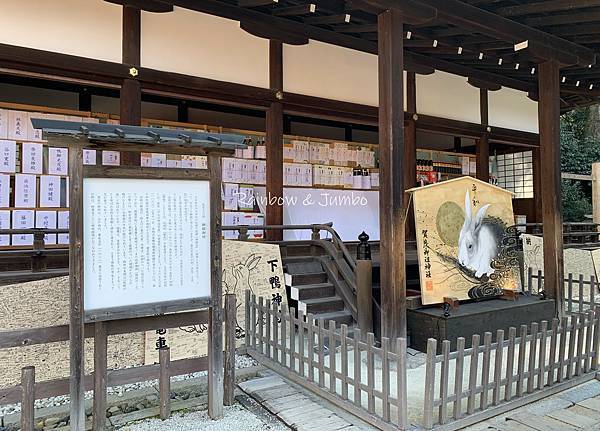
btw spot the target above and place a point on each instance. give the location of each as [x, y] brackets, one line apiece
[323, 359]
[581, 291]
[490, 378]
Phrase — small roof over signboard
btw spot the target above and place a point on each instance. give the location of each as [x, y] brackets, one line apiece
[138, 135]
[456, 181]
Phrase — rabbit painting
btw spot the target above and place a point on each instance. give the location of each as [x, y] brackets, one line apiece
[478, 240]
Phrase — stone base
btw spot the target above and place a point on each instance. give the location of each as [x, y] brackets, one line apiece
[475, 318]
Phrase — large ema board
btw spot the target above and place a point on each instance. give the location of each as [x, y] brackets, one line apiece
[466, 240]
[146, 241]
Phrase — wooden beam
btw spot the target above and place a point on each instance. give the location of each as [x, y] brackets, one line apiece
[482, 157]
[391, 163]
[537, 184]
[274, 138]
[410, 152]
[568, 18]
[302, 9]
[328, 19]
[266, 32]
[545, 7]
[549, 124]
[155, 6]
[256, 3]
[483, 107]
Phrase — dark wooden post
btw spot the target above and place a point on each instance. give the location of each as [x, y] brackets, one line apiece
[274, 186]
[410, 151]
[482, 146]
[164, 382]
[76, 328]
[364, 284]
[537, 184]
[391, 190]
[100, 376]
[27, 398]
[215, 312]
[38, 260]
[230, 326]
[131, 91]
[549, 124]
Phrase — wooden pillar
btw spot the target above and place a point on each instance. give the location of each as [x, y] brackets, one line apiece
[131, 91]
[537, 184]
[391, 190]
[410, 152]
[183, 112]
[549, 125]
[595, 192]
[274, 189]
[85, 100]
[482, 145]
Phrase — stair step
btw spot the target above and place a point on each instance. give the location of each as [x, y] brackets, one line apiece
[311, 291]
[338, 317]
[308, 278]
[323, 305]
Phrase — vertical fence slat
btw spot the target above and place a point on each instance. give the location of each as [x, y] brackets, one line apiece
[429, 383]
[229, 372]
[385, 378]
[458, 377]
[284, 325]
[572, 342]
[444, 381]
[321, 352]
[552, 352]
[302, 357]
[540, 281]
[473, 373]
[344, 356]
[521, 364]
[370, 372]
[510, 363]
[570, 293]
[529, 280]
[592, 291]
[253, 320]
[532, 354]
[164, 382]
[261, 325]
[28, 398]
[498, 366]
[596, 345]
[562, 349]
[542, 356]
[247, 317]
[580, 341]
[310, 354]
[581, 285]
[275, 330]
[332, 354]
[485, 370]
[268, 316]
[401, 383]
[588, 340]
[292, 339]
[357, 368]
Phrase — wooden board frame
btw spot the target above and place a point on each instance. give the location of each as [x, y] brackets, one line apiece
[77, 172]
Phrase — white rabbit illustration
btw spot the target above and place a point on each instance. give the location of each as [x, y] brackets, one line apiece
[477, 242]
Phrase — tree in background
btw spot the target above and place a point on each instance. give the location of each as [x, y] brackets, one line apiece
[580, 147]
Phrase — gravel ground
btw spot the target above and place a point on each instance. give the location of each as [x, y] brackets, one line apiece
[241, 361]
[236, 418]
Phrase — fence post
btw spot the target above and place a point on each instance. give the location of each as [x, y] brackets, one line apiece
[164, 382]
[28, 398]
[596, 338]
[364, 284]
[99, 404]
[230, 326]
[401, 383]
[38, 260]
[316, 233]
[429, 383]
[247, 318]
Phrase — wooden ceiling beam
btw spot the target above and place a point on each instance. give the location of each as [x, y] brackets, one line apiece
[155, 6]
[576, 29]
[474, 19]
[328, 19]
[545, 7]
[265, 32]
[256, 3]
[357, 28]
[302, 9]
[569, 18]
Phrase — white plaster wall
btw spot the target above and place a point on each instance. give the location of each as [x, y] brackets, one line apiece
[333, 72]
[90, 28]
[207, 46]
[512, 109]
[448, 96]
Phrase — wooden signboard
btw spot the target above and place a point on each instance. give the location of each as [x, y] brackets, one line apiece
[466, 240]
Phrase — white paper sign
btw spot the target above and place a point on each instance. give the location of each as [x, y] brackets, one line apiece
[158, 160]
[3, 124]
[5, 224]
[49, 191]
[58, 161]
[22, 219]
[4, 191]
[89, 157]
[120, 215]
[34, 134]
[63, 223]
[25, 191]
[111, 158]
[8, 156]
[46, 220]
[17, 125]
[32, 158]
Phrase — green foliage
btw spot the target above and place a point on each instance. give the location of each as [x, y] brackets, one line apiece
[575, 203]
[578, 150]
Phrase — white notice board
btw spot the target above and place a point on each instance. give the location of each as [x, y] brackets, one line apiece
[145, 241]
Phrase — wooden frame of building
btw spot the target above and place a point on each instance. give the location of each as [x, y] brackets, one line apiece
[539, 47]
